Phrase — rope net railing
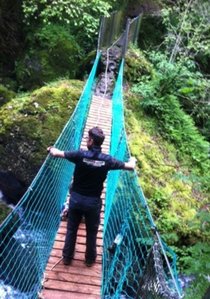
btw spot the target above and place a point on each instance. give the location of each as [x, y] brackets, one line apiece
[136, 263]
[27, 234]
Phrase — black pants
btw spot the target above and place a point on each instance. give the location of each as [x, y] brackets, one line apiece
[90, 208]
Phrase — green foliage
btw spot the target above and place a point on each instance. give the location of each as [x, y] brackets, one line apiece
[195, 259]
[173, 201]
[193, 96]
[161, 99]
[181, 80]
[201, 222]
[198, 288]
[152, 31]
[10, 33]
[188, 28]
[52, 53]
[5, 95]
[82, 16]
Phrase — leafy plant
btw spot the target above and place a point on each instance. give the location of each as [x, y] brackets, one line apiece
[188, 28]
[195, 259]
[82, 16]
[52, 53]
[161, 99]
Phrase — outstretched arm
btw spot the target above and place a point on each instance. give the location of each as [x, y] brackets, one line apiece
[131, 164]
[55, 152]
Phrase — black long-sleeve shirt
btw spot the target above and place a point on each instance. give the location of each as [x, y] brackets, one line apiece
[91, 168]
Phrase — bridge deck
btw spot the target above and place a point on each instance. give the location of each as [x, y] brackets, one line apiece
[77, 281]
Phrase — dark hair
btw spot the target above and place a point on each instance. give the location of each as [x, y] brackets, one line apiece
[97, 135]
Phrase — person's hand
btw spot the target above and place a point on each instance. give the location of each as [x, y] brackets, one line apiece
[54, 151]
[51, 150]
[131, 164]
[132, 161]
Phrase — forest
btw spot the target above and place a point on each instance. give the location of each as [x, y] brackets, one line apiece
[47, 50]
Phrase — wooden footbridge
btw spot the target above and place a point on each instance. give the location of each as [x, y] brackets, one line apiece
[77, 281]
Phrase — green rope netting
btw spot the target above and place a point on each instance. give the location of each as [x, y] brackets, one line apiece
[28, 233]
[137, 265]
[135, 260]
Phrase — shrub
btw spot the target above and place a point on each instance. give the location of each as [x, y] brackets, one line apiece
[82, 17]
[161, 99]
[52, 53]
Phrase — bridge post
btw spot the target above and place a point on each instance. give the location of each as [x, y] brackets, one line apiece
[125, 46]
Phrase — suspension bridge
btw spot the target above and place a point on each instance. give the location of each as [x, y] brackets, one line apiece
[142, 266]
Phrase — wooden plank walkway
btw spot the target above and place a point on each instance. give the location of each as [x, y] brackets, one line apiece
[77, 281]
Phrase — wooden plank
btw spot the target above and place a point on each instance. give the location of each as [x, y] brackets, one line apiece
[81, 232]
[63, 224]
[80, 239]
[76, 268]
[54, 294]
[65, 277]
[72, 287]
[78, 254]
[79, 247]
[75, 262]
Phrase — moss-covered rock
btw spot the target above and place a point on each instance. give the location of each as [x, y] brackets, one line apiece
[5, 95]
[31, 122]
[136, 65]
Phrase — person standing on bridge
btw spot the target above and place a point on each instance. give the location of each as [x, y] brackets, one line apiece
[91, 168]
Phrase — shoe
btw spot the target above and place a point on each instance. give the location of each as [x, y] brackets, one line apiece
[89, 263]
[67, 261]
